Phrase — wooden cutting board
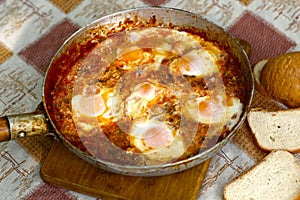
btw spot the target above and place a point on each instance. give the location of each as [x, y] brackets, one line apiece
[64, 169]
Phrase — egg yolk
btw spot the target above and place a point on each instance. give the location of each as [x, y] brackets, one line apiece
[146, 91]
[91, 105]
[132, 55]
[211, 111]
[205, 108]
[158, 137]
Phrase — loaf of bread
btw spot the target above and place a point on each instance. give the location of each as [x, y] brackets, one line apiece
[276, 130]
[279, 78]
[276, 177]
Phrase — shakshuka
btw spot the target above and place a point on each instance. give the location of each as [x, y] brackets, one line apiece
[147, 95]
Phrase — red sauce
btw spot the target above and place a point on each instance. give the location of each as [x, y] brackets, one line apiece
[90, 60]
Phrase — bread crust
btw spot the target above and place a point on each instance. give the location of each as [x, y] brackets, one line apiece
[265, 159]
[280, 78]
[297, 197]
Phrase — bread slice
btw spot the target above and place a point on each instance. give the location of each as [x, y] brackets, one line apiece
[276, 130]
[276, 177]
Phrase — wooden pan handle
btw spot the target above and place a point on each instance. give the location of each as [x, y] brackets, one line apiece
[4, 129]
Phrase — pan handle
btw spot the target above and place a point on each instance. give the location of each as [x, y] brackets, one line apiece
[4, 129]
[17, 126]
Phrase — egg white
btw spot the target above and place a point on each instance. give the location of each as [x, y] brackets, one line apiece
[137, 103]
[82, 108]
[173, 148]
[197, 62]
[234, 112]
[226, 115]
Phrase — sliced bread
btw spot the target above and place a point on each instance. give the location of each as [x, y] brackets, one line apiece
[276, 177]
[276, 130]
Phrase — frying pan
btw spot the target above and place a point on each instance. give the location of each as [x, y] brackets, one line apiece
[44, 122]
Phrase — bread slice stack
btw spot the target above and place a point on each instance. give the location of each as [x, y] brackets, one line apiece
[276, 130]
[276, 177]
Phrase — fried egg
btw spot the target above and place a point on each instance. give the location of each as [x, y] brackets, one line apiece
[137, 103]
[88, 105]
[173, 41]
[209, 110]
[197, 62]
[145, 90]
[157, 141]
[181, 41]
[105, 104]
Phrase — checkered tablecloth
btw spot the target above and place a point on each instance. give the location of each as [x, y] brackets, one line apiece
[31, 31]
